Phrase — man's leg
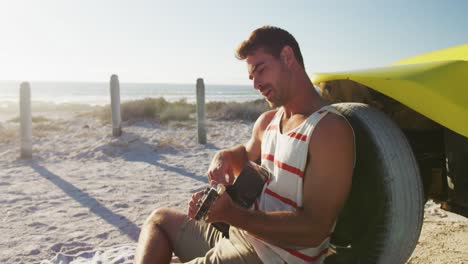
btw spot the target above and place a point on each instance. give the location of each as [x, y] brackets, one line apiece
[158, 235]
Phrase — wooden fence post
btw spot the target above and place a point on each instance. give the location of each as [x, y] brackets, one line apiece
[25, 121]
[201, 111]
[115, 106]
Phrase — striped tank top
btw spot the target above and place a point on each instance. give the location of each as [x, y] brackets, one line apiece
[285, 156]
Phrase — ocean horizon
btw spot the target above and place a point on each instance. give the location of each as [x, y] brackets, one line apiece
[98, 93]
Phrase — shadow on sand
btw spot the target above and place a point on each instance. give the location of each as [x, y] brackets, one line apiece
[146, 153]
[154, 160]
[125, 226]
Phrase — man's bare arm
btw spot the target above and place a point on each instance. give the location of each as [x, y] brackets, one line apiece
[231, 161]
[326, 185]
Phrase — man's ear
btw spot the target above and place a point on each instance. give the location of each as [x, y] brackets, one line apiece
[287, 55]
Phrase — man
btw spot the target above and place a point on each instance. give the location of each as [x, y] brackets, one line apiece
[311, 173]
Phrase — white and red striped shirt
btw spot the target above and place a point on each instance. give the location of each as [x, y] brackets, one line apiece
[285, 156]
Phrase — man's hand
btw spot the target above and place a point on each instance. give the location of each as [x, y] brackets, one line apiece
[220, 170]
[219, 210]
[192, 206]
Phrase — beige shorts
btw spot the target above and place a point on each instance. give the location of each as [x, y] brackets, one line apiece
[199, 242]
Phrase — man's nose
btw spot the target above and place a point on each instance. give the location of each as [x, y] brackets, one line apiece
[257, 84]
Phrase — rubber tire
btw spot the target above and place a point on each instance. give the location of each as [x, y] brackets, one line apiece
[382, 218]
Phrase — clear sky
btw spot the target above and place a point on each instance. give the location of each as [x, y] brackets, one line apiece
[179, 41]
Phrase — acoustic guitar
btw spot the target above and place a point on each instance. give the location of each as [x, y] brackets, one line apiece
[246, 188]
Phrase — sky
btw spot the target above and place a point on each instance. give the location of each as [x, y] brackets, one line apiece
[180, 41]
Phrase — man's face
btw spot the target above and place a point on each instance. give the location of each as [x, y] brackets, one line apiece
[270, 76]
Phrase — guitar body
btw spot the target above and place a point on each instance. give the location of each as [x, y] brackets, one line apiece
[246, 189]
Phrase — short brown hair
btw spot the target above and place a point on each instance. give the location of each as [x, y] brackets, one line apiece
[272, 40]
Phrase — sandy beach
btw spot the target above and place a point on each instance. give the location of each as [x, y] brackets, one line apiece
[84, 195]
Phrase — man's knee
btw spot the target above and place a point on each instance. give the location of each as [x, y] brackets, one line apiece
[167, 219]
[159, 217]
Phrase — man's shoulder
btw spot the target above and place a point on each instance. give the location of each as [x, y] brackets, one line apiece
[262, 122]
[332, 127]
[268, 115]
[265, 118]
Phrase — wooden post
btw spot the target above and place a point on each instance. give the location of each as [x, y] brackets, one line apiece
[25, 121]
[115, 106]
[201, 111]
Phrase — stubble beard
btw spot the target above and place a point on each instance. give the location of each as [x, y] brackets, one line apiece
[275, 101]
[282, 86]
[279, 98]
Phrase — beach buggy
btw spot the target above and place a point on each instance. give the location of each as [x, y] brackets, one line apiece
[411, 126]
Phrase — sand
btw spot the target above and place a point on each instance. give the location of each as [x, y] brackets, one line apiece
[84, 195]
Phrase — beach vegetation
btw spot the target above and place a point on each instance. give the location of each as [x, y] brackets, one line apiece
[177, 111]
[8, 134]
[160, 110]
[43, 129]
[246, 111]
[182, 124]
[35, 119]
[147, 108]
[168, 143]
[37, 106]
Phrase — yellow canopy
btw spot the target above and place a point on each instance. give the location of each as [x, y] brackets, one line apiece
[434, 84]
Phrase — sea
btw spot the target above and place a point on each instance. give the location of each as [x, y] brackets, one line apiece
[98, 93]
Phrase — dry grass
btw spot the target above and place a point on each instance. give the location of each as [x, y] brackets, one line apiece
[247, 111]
[87, 134]
[102, 113]
[35, 119]
[41, 127]
[62, 107]
[182, 124]
[157, 109]
[169, 143]
[44, 129]
[214, 107]
[8, 134]
[160, 110]
[177, 112]
[215, 134]
[147, 108]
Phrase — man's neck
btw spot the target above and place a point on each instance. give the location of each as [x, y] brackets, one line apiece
[304, 100]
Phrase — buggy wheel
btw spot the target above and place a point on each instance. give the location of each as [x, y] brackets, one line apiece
[382, 218]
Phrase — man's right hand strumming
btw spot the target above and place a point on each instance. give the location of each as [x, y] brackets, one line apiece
[228, 163]
[220, 170]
